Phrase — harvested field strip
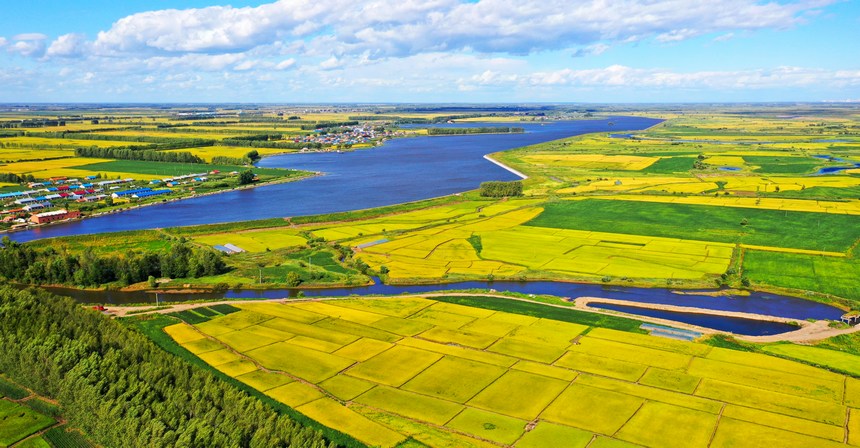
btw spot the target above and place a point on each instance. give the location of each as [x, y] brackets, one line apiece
[795, 205]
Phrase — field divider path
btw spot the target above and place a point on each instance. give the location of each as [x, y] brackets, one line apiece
[717, 424]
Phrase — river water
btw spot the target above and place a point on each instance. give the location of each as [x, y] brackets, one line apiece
[755, 303]
[402, 170]
[735, 325]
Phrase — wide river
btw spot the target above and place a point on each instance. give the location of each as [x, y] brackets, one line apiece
[402, 170]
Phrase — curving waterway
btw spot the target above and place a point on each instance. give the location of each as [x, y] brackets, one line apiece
[402, 170]
[755, 303]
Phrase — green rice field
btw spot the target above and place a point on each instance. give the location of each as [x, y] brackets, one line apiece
[18, 422]
[799, 230]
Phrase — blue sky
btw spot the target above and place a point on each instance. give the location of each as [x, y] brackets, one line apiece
[430, 51]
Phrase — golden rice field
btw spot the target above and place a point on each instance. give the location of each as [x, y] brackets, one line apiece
[593, 161]
[23, 154]
[708, 183]
[165, 134]
[43, 142]
[255, 240]
[208, 152]
[37, 168]
[847, 207]
[384, 370]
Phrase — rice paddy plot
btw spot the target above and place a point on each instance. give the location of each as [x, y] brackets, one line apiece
[312, 365]
[411, 405]
[519, 394]
[592, 409]
[488, 425]
[830, 389]
[333, 414]
[395, 366]
[547, 434]
[841, 361]
[685, 428]
[18, 422]
[737, 433]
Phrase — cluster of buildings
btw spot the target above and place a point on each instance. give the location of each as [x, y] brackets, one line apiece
[59, 188]
[23, 208]
[350, 135]
[37, 205]
[184, 179]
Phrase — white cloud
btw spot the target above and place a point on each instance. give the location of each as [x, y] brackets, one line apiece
[285, 64]
[28, 44]
[591, 50]
[30, 36]
[194, 61]
[385, 28]
[623, 76]
[67, 45]
[246, 65]
[29, 48]
[214, 29]
[3, 42]
[724, 37]
[331, 63]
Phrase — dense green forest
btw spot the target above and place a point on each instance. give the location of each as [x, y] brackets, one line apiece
[484, 130]
[121, 389]
[148, 155]
[498, 189]
[23, 263]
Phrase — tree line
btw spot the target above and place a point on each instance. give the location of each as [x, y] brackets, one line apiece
[256, 137]
[328, 124]
[26, 264]
[148, 155]
[12, 178]
[498, 189]
[163, 142]
[484, 130]
[122, 390]
[269, 144]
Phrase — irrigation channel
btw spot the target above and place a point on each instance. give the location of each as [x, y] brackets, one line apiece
[401, 170]
[755, 303]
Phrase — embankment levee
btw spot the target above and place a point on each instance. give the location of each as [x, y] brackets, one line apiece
[505, 167]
